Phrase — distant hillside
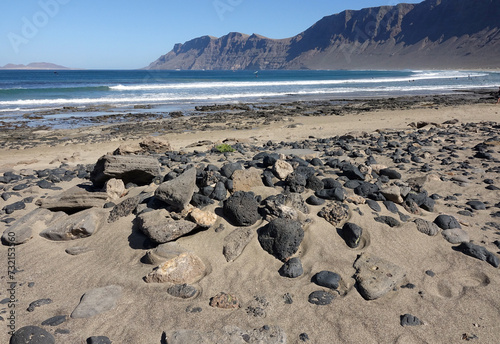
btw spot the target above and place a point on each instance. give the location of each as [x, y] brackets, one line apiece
[34, 65]
[439, 34]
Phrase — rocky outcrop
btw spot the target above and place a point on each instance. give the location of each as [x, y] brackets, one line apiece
[464, 33]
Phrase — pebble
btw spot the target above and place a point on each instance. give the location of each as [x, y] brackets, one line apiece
[388, 220]
[292, 268]
[335, 213]
[225, 301]
[479, 252]
[321, 298]
[55, 321]
[38, 303]
[98, 340]
[182, 291]
[327, 279]
[410, 320]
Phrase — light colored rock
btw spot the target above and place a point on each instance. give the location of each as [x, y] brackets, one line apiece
[392, 193]
[158, 226]
[376, 276]
[236, 241]
[245, 180]
[148, 145]
[427, 227]
[455, 235]
[377, 167]
[115, 189]
[306, 154]
[76, 226]
[97, 301]
[76, 198]
[22, 230]
[282, 169]
[356, 199]
[179, 191]
[203, 218]
[185, 268]
[162, 253]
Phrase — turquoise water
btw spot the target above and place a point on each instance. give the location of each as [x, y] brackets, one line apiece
[25, 92]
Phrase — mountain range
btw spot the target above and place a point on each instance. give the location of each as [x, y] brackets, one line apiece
[433, 34]
[34, 66]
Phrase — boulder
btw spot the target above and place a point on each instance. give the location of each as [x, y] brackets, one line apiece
[245, 180]
[137, 169]
[186, 268]
[79, 225]
[75, 199]
[242, 209]
[281, 238]
[178, 191]
[161, 228]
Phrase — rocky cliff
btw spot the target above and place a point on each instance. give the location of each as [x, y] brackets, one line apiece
[431, 34]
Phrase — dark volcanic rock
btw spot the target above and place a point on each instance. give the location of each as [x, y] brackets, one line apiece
[327, 279]
[38, 303]
[55, 321]
[281, 237]
[183, 291]
[351, 233]
[292, 268]
[478, 252]
[242, 208]
[447, 222]
[388, 220]
[476, 205]
[366, 189]
[9, 209]
[98, 340]
[392, 174]
[295, 182]
[124, 208]
[373, 205]
[32, 335]
[337, 194]
[410, 320]
[313, 200]
[321, 298]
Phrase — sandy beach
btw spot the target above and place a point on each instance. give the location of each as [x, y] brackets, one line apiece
[434, 144]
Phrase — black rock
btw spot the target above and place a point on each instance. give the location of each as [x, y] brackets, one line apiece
[446, 222]
[38, 303]
[313, 200]
[314, 183]
[478, 252]
[476, 205]
[45, 184]
[292, 268]
[242, 208]
[20, 187]
[304, 337]
[228, 169]
[352, 172]
[410, 320]
[267, 178]
[373, 205]
[32, 335]
[98, 340]
[388, 220]
[9, 209]
[281, 237]
[391, 206]
[219, 193]
[55, 321]
[337, 194]
[270, 159]
[304, 170]
[352, 184]
[392, 174]
[351, 233]
[295, 182]
[183, 291]
[201, 201]
[316, 162]
[430, 273]
[327, 279]
[330, 183]
[321, 298]
[366, 189]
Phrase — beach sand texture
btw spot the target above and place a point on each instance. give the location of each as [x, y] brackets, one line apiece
[455, 296]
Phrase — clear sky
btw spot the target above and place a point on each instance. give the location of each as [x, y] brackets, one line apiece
[128, 34]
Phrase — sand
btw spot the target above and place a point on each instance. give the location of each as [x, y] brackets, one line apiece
[460, 301]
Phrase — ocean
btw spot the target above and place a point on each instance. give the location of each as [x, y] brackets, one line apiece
[60, 94]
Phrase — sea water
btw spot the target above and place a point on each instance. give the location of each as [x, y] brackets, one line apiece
[59, 93]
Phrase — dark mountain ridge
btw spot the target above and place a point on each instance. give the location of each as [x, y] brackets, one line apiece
[432, 34]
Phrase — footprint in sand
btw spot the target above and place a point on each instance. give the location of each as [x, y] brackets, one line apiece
[455, 284]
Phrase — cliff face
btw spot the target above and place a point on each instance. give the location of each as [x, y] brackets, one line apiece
[432, 34]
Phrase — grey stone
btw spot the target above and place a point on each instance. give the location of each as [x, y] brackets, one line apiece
[55, 321]
[410, 320]
[373, 205]
[98, 340]
[392, 174]
[124, 208]
[391, 206]
[22, 230]
[281, 238]
[313, 200]
[447, 222]
[77, 226]
[427, 227]
[163, 252]
[74, 199]
[228, 169]
[97, 301]
[229, 335]
[392, 193]
[455, 235]
[292, 268]
[388, 220]
[242, 209]
[158, 226]
[77, 250]
[337, 194]
[179, 191]
[476, 205]
[38, 303]
[140, 170]
[9, 209]
[351, 233]
[479, 252]
[376, 276]
[236, 241]
[321, 298]
[32, 335]
[182, 291]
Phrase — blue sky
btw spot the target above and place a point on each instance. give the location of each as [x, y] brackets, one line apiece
[128, 34]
